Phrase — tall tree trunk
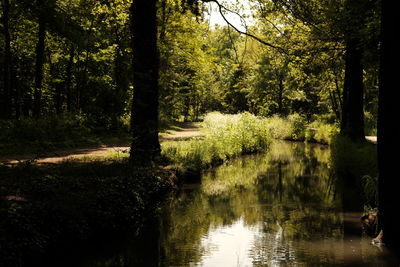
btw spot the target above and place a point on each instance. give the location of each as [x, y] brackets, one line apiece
[280, 96]
[145, 145]
[57, 94]
[7, 103]
[121, 72]
[352, 124]
[68, 80]
[337, 90]
[40, 46]
[388, 130]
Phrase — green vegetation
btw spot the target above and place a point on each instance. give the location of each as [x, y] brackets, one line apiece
[226, 136]
[72, 202]
[54, 133]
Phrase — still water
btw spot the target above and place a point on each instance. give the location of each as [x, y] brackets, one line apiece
[281, 208]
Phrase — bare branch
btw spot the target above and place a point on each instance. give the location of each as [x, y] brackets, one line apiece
[221, 11]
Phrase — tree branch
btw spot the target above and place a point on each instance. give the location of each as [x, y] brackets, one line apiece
[221, 9]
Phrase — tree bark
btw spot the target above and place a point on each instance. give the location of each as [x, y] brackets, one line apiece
[7, 103]
[40, 46]
[280, 96]
[352, 124]
[388, 130]
[68, 80]
[145, 146]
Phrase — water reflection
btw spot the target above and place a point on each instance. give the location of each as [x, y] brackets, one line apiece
[282, 208]
[277, 209]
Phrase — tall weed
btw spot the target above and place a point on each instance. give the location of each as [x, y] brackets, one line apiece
[226, 136]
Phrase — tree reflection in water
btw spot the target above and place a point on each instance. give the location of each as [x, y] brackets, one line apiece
[281, 207]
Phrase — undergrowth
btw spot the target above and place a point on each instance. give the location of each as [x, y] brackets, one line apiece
[53, 132]
[42, 207]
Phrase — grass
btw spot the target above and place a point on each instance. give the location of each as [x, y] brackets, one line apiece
[296, 128]
[38, 136]
[226, 136]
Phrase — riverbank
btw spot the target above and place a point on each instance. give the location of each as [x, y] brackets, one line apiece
[82, 198]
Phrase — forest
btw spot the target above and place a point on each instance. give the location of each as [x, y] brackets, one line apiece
[119, 115]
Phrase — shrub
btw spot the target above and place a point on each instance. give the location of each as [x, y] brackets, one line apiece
[321, 132]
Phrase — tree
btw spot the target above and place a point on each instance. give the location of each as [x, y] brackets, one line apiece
[145, 146]
[341, 22]
[388, 130]
[352, 123]
[40, 46]
[6, 112]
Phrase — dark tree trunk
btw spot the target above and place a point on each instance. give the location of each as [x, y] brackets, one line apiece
[337, 87]
[280, 96]
[145, 145]
[7, 103]
[352, 124]
[121, 79]
[388, 130]
[40, 46]
[68, 80]
[57, 94]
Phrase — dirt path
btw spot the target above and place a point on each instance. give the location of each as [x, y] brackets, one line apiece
[188, 131]
[372, 139]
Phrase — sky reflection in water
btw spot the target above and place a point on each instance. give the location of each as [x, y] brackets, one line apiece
[282, 208]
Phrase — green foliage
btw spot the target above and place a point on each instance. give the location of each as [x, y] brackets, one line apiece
[72, 202]
[44, 134]
[321, 132]
[226, 136]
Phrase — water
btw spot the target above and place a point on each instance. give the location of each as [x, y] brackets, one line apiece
[281, 208]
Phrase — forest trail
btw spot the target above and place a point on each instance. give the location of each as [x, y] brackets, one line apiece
[186, 131]
[372, 139]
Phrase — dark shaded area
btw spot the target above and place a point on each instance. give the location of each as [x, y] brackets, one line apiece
[46, 211]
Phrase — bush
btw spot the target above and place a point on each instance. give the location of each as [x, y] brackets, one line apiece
[321, 132]
[279, 128]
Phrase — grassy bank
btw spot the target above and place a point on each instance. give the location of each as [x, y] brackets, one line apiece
[226, 136]
[296, 128]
